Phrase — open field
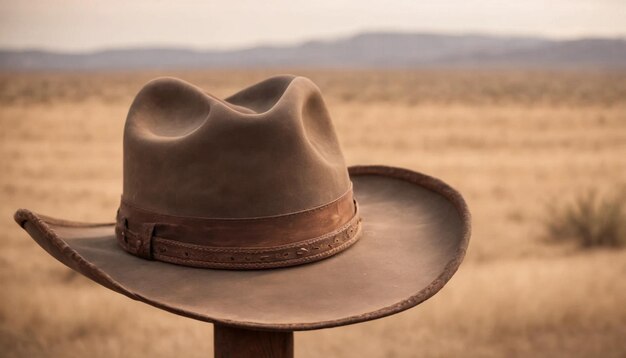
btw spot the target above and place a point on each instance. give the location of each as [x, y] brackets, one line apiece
[511, 142]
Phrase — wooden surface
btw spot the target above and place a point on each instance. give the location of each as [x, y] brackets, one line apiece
[242, 343]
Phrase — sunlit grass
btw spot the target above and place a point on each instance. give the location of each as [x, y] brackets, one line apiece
[507, 141]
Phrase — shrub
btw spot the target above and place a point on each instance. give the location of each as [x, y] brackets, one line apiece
[590, 221]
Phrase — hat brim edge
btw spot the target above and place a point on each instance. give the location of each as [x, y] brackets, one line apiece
[37, 227]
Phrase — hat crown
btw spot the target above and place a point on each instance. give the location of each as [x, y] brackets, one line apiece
[268, 150]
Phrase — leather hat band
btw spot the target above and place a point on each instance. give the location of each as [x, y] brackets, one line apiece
[240, 243]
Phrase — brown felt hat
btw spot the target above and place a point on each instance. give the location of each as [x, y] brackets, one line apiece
[242, 212]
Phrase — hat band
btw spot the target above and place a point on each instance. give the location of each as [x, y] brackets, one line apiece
[247, 243]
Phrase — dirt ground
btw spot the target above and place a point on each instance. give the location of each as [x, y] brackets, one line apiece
[511, 142]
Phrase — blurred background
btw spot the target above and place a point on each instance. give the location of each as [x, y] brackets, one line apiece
[521, 106]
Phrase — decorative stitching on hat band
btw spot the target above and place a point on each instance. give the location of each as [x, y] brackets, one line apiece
[145, 240]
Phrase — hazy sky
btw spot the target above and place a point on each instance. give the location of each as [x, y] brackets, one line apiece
[80, 25]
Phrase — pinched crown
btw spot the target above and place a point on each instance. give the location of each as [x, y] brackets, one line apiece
[267, 150]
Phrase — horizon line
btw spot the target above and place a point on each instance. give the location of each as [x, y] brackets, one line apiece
[286, 44]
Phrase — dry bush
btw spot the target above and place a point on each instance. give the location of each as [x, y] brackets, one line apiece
[590, 221]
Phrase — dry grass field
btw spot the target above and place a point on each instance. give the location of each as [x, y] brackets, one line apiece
[511, 142]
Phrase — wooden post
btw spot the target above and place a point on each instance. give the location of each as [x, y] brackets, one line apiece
[231, 342]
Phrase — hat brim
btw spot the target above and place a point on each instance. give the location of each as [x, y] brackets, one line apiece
[415, 233]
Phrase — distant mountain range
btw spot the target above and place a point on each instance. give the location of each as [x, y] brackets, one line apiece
[367, 50]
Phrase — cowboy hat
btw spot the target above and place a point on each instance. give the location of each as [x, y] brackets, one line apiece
[243, 212]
